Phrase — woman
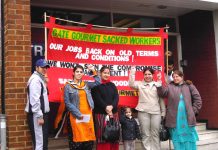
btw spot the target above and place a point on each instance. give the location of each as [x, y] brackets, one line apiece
[106, 99]
[150, 108]
[184, 101]
[79, 103]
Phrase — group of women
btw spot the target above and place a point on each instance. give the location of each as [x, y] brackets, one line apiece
[82, 99]
[101, 97]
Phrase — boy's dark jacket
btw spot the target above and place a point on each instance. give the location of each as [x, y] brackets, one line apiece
[130, 128]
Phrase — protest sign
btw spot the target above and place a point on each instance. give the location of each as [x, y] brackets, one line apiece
[68, 46]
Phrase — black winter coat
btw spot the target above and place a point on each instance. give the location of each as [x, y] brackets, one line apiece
[104, 95]
[130, 128]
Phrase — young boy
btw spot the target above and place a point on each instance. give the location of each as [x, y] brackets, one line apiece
[130, 129]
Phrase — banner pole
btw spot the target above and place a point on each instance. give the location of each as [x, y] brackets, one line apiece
[45, 19]
[107, 27]
[167, 52]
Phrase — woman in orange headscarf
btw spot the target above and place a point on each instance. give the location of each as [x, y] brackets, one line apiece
[79, 103]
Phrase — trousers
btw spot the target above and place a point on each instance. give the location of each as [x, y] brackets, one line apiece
[129, 144]
[39, 132]
[150, 126]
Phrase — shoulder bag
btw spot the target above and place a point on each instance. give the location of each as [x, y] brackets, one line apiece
[164, 132]
[111, 131]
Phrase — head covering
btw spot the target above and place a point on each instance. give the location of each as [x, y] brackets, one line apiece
[42, 63]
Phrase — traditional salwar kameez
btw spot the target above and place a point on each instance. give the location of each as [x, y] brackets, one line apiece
[81, 134]
[183, 136]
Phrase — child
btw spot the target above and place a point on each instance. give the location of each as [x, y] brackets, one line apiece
[130, 129]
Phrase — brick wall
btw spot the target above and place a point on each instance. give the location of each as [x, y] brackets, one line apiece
[17, 71]
[198, 47]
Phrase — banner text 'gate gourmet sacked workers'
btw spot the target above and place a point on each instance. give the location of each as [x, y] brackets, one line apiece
[68, 46]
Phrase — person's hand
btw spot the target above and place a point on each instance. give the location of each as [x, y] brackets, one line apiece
[168, 53]
[91, 67]
[133, 68]
[80, 118]
[40, 121]
[110, 114]
[189, 82]
[109, 108]
[91, 70]
[163, 115]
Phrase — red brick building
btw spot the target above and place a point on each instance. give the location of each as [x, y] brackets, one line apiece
[17, 60]
[195, 31]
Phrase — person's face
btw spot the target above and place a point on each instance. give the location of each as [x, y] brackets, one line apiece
[42, 70]
[105, 75]
[148, 76]
[46, 78]
[170, 68]
[128, 113]
[78, 74]
[177, 79]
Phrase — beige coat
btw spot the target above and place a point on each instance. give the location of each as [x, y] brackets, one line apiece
[148, 100]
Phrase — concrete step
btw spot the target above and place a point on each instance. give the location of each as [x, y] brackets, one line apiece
[208, 140]
[207, 134]
[60, 143]
[200, 126]
[210, 144]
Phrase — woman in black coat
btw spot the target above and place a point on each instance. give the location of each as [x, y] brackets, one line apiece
[106, 99]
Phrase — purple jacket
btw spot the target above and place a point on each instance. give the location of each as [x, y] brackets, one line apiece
[192, 100]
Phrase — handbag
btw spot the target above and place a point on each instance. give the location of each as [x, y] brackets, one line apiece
[111, 131]
[164, 132]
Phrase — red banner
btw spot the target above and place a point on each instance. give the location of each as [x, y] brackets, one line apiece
[68, 46]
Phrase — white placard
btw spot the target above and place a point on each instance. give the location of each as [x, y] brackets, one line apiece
[86, 118]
